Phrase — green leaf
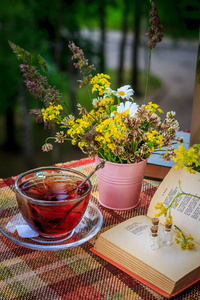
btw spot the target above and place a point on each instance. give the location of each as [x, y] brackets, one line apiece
[135, 146]
[150, 144]
[113, 108]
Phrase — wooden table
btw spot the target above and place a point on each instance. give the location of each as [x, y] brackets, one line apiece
[74, 273]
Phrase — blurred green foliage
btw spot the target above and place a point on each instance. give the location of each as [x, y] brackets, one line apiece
[180, 18]
[45, 27]
[41, 26]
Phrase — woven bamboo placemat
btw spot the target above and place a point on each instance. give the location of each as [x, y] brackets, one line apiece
[75, 273]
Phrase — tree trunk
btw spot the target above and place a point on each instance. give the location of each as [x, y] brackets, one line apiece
[26, 131]
[120, 77]
[135, 46]
[10, 142]
[55, 154]
[102, 16]
[195, 123]
[58, 41]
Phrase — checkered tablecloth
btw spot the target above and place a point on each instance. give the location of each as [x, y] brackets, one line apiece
[75, 273]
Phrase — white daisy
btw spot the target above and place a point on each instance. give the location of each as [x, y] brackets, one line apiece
[108, 92]
[131, 106]
[125, 92]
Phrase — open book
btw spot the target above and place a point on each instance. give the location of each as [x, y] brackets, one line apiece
[168, 270]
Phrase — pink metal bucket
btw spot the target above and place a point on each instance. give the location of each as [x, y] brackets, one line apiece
[119, 185]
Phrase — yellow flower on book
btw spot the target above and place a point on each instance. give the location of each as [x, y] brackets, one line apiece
[169, 219]
[162, 208]
[186, 241]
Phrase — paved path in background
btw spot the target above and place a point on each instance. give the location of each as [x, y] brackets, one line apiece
[173, 62]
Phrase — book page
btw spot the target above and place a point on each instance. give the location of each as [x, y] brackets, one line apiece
[187, 214]
[132, 236]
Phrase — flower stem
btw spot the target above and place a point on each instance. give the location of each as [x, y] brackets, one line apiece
[68, 108]
[148, 71]
[181, 232]
[170, 205]
[183, 193]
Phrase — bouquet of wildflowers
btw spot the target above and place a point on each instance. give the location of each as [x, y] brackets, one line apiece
[116, 128]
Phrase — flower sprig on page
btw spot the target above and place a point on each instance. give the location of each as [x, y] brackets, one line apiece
[186, 241]
[166, 212]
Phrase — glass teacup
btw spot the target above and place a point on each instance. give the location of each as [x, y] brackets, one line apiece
[46, 202]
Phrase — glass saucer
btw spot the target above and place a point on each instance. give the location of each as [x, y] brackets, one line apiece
[90, 224]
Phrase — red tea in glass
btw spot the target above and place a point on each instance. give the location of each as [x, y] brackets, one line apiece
[46, 203]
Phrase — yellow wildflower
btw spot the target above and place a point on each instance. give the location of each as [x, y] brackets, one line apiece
[73, 142]
[106, 101]
[118, 115]
[100, 83]
[82, 144]
[151, 135]
[52, 112]
[186, 241]
[110, 132]
[153, 107]
[187, 158]
[162, 208]
[159, 140]
[168, 220]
